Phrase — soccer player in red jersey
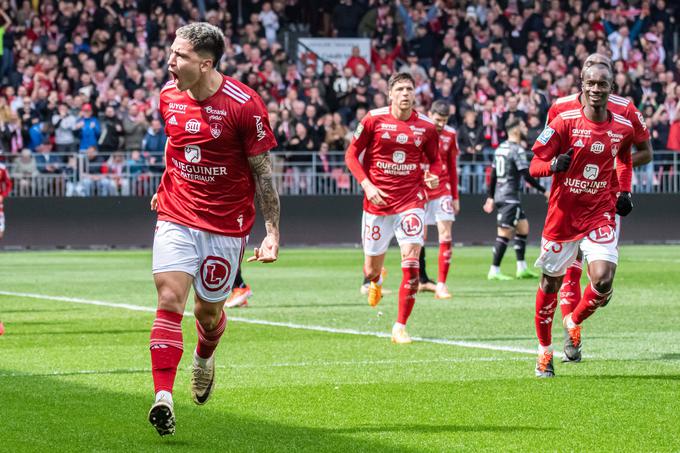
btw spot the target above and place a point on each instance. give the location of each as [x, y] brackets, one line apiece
[5, 189]
[394, 140]
[579, 149]
[443, 204]
[217, 161]
[570, 292]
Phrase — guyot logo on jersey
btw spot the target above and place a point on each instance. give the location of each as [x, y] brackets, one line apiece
[412, 225]
[399, 157]
[192, 153]
[215, 272]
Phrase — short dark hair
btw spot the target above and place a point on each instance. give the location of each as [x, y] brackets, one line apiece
[204, 38]
[512, 123]
[400, 77]
[595, 59]
[440, 107]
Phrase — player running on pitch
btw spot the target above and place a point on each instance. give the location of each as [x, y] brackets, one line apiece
[570, 292]
[509, 166]
[217, 162]
[443, 204]
[394, 139]
[579, 149]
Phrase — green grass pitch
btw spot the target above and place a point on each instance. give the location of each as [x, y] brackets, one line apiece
[75, 376]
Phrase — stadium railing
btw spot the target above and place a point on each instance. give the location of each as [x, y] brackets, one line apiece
[295, 173]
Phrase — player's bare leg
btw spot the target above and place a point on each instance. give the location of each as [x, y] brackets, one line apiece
[546, 304]
[211, 321]
[167, 345]
[424, 282]
[444, 231]
[500, 245]
[521, 234]
[373, 266]
[407, 291]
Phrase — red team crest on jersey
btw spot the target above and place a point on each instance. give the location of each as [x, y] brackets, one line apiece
[412, 225]
[215, 272]
[215, 129]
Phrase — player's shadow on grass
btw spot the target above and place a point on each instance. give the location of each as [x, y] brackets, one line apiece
[435, 429]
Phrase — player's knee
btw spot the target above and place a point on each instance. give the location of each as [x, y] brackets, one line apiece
[602, 279]
[169, 300]
[550, 285]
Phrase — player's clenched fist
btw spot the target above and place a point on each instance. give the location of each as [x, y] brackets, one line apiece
[431, 180]
[624, 204]
[561, 163]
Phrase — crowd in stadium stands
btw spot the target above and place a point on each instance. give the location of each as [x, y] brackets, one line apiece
[83, 77]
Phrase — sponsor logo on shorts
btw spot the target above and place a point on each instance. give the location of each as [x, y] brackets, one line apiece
[602, 235]
[447, 205]
[402, 139]
[215, 129]
[555, 247]
[545, 135]
[192, 153]
[597, 147]
[193, 126]
[590, 172]
[412, 225]
[215, 272]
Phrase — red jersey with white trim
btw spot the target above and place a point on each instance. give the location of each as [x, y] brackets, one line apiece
[207, 183]
[584, 197]
[448, 176]
[392, 161]
[616, 104]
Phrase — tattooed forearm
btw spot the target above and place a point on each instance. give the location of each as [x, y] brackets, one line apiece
[265, 192]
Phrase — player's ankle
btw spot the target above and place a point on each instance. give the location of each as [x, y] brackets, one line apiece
[164, 395]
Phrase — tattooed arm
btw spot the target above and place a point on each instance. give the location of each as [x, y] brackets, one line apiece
[268, 199]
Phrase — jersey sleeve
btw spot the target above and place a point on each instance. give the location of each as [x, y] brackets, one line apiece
[641, 133]
[548, 145]
[552, 114]
[431, 149]
[624, 168]
[255, 129]
[453, 166]
[360, 141]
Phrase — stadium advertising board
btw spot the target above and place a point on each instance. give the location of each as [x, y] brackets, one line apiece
[335, 50]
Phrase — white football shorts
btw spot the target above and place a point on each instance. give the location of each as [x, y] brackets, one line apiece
[212, 259]
[439, 210]
[378, 230]
[598, 245]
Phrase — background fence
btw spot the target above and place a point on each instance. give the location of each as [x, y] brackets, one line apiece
[295, 173]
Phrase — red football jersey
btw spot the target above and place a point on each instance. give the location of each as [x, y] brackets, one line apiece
[394, 152]
[5, 181]
[207, 183]
[448, 176]
[616, 104]
[584, 197]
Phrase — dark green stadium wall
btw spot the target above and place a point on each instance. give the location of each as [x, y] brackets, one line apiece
[127, 222]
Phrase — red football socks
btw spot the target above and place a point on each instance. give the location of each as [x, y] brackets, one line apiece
[410, 269]
[208, 341]
[570, 292]
[545, 310]
[589, 303]
[444, 260]
[166, 349]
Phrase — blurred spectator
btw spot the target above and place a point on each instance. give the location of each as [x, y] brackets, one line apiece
[94, 178]
[88, 127]
[46, 162]
[113, 134]
[24, 170]
[134, 125]
[471, 145]
[64, 124]
[117, 170]
[36, 134]
[356, 60]
[154, 140]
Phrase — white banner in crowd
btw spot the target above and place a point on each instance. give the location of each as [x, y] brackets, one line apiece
[335, 50]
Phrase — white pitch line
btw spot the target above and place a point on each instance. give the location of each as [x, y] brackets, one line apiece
[276, 365]
[289, 325]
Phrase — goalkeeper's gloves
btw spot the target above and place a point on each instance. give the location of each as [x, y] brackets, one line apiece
[624, 204]
[561, 163]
